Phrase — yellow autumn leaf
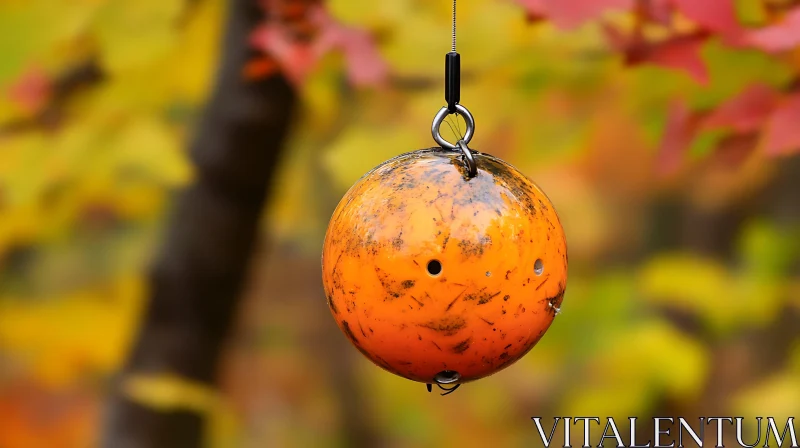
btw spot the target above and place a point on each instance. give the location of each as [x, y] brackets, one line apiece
[18, 226]
[610, 399]
[359, 149]
[384, 14]
[689, 359]
[774, 396]
[685, 281]
[632, 368]
[295, 184]
[493, 29]
[169, 392]
[703, 286]
[20, 175]
[86, 331]
[322, 99]
[144, 140]
[126, 148]
[224, 427]
[132, 34]
[189, 69]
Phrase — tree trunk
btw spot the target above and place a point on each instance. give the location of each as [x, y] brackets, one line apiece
[197, 278]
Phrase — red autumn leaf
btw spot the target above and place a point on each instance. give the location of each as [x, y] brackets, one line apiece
[365, 66]
[745, 112]
[733, 150]
[679, 132]
[713, 15]
[567, 14]
[259, 68]
[619, 41]
[534, 9]
[31, 90]
[679, 52]
[718, 16]
[781, 134]
[297, 57]
[659, 11]
[781, 36]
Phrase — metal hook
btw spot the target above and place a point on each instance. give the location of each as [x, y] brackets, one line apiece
[447, 391]
[445, 377]
[439, 119]
[472, 167]
[555, 308]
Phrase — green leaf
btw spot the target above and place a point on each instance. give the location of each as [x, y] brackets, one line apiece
[751, 12]
[765, 249]
[750, 66]
[705, 143]
[39, 32]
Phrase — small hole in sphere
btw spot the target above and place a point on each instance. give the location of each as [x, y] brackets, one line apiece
[447, 377]
[538, 266]
[434, 267]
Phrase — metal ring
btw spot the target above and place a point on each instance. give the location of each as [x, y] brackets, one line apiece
[472, 167]
[439, 118]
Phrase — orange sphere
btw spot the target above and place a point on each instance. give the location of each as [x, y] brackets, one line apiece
[427, 271]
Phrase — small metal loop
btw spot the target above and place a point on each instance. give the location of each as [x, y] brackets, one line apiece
[472, 167]
[555, 308]
[446, 378]
[448, 391]
[439, 119]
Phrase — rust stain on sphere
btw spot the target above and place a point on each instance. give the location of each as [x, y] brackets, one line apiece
[426, 270]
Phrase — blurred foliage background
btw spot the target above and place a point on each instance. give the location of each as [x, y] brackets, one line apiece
[668, 144]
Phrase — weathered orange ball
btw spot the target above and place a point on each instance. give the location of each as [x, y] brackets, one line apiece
[426, 270]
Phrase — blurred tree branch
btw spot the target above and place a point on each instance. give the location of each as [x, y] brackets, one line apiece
[197, 277]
